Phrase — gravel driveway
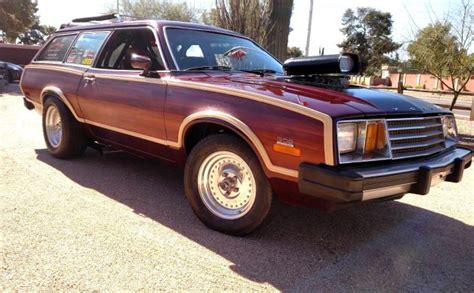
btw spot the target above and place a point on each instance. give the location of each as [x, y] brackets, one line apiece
[117, 222]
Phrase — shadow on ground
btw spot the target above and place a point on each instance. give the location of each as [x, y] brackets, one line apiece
[387, 245]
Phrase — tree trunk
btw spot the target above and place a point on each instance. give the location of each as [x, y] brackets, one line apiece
[459, 91]
[455, 98]
[280, 19]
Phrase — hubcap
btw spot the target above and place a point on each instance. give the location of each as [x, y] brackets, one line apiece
[54, 130]
[226, 185]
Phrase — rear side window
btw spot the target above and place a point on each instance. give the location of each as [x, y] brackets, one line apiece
[56, 49]
[86, 48]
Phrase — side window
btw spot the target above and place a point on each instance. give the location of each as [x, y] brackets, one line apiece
[116, 53]
[86, 48]
[56, 49]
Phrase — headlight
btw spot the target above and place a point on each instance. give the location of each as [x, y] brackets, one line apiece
[346, 64]
[364, 140]
[347, 137]
[449, 129]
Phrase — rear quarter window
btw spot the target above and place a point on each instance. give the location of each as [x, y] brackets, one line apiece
[56, 49]
[86, 48]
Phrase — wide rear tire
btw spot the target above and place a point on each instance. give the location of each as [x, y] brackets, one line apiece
[62, 133]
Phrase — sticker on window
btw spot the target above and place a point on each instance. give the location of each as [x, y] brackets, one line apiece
[86, 48]
[87, 61]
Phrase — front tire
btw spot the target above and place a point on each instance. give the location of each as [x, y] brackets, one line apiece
[226, 186]
[63, 135]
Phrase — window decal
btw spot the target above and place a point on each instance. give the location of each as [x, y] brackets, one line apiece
[86, 48]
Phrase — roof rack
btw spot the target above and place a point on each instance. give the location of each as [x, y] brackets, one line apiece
[114, 17]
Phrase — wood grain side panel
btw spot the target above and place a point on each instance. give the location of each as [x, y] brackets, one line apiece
[266, 121]
[124, 102]
[37, 77]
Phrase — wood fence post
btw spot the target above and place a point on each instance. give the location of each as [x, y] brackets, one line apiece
[472, 110]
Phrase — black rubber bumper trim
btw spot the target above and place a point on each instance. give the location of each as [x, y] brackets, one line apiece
[345, 184]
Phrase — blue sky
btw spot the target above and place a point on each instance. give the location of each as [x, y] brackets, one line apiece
[407, 14]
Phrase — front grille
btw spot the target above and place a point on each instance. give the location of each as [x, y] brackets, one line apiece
[413, 137]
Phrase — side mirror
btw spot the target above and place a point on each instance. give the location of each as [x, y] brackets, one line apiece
[138, 61]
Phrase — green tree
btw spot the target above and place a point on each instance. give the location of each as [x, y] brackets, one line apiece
[368, 33]
[158, 9]
[294, 52]
[438, 51]
[16, 16]
[36, 35]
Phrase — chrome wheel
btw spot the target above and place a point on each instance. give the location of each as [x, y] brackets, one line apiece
[226, 185]
[54, 131]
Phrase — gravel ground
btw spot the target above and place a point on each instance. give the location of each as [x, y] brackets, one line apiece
[116, 222]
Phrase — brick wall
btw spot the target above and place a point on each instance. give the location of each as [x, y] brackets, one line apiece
[426, 81]
[18, 54]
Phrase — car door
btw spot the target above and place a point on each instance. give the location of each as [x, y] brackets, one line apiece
[122, 106]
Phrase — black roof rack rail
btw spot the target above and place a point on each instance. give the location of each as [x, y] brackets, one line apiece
[96, 18]
[114, 17]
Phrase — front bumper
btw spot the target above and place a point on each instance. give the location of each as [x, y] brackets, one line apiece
[358, 183]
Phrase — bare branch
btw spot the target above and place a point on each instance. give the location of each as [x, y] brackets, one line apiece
[440, 78]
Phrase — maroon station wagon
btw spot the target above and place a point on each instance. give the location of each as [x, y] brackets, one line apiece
[243, 125]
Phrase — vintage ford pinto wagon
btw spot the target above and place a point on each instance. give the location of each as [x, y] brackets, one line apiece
[243, 125]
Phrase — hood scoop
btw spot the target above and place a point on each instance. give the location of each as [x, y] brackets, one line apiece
[331, 71]
[343, 64]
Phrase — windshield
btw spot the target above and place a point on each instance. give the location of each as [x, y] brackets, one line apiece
[194, 49]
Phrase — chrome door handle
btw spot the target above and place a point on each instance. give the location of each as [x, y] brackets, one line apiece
[89, 78]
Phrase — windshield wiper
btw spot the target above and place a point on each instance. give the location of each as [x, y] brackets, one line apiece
[260, 72]
[217, 67]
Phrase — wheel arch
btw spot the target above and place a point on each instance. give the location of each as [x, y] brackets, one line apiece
[212, 125]
[58, 93]
[239, 128]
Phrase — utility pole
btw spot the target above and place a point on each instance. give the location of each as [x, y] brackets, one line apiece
[310, 20]
[118, 6]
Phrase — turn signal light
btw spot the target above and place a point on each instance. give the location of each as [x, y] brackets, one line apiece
[375, 137]
[289, 150]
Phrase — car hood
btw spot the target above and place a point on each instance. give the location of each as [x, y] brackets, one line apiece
[392, 103]
[349, 102]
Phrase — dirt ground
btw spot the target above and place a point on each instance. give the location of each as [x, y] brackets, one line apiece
[117, 222]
